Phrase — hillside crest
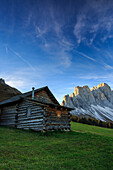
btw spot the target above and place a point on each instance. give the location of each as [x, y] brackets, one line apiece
[7, 91]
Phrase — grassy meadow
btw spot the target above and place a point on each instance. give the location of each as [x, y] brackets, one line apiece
[79, 127]
[85, 147]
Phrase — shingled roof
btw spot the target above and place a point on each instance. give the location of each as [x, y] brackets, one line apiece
[11, 100]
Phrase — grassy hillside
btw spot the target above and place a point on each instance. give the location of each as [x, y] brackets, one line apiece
[79, 127]
[7, 91]
[21, 149]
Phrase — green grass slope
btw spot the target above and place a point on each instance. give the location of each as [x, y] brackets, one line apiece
[21, 149]
[79, 127]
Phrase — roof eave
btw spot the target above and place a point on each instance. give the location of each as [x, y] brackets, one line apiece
[50, 104]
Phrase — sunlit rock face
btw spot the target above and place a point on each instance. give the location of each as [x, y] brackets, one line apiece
[7, 91]
[67, 101]
[103, 94]
[84, 96]
[97, 102]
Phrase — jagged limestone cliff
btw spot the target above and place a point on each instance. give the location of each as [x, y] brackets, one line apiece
[97, 102]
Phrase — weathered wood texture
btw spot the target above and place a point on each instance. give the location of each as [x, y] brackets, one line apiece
[57, 119]
[7, 116]
[32, 115]
[43, 96]
[34, 120]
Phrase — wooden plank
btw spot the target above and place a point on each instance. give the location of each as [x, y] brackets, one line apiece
[30, 124]
[60, 126]
[9, 111]
[30, 104]
[32, 115]
[57, 127]
[32, 107]
[9, 107]
[32, 112]
[7, 120]
[56, 120]
[57, 123]
[29, 121]
[30, 118]
[7, 123]
[56, 117]
[8, 116]
[43, 94]
[51, 113]
[34, 121]
[38, 127]
[21, 115]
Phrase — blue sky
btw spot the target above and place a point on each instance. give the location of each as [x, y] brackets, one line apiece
[58, 43]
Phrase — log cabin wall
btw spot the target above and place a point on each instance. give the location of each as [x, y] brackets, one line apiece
[43, 95]
[30, 116]
[57, 119]
[8, 115]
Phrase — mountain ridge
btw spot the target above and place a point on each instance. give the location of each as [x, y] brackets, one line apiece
[96, 102]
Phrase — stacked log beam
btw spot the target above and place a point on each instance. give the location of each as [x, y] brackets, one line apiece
[8, 115]
[57, 119]
[35, 120]
[40, 117]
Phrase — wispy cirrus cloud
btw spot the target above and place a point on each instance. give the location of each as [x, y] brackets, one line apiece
[23, 79]
[109, 67]
[94, 19]
[84, 55]
[100, 77]
[20, 57]
[40, 32]
[49, 34]
[57, 46]
[108, 54]
[64, 58]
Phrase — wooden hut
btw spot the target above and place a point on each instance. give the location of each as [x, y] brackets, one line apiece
[37, 110]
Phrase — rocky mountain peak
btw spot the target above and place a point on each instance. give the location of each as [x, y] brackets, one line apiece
[85, 101]
[103, 85]
[94, 88]
[79, 90]
[67, 101]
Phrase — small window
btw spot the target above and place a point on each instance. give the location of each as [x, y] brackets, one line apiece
[59, 113]
[28, 111]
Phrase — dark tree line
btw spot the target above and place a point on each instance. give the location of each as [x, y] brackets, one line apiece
[91, 121]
